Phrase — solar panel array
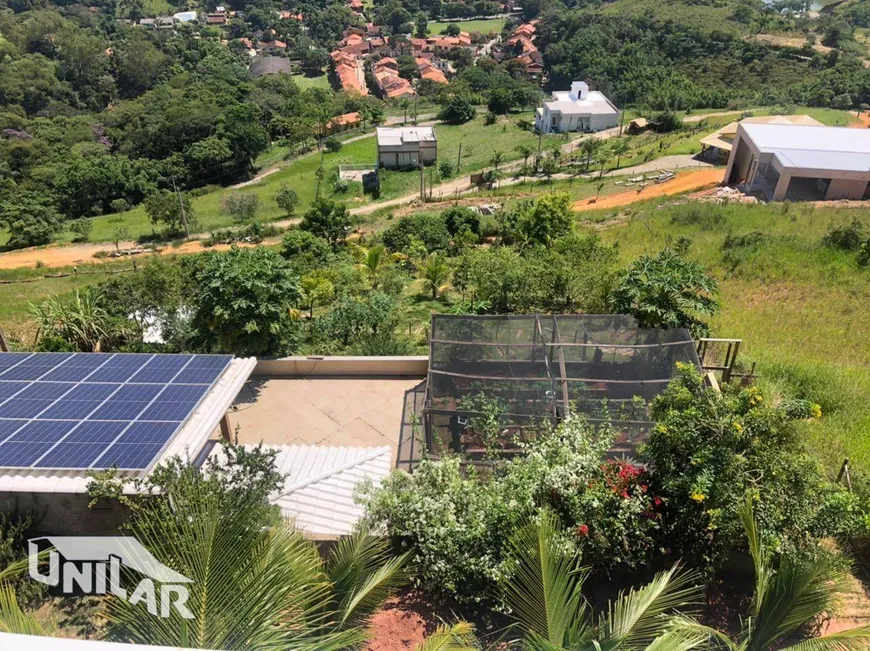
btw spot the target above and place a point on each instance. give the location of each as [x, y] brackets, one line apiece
[91, 411]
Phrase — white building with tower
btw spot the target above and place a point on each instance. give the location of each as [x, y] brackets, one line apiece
[578, 109]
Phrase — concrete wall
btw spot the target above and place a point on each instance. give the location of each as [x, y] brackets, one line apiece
[601, 122]
[411, 366]
[389, 158]
[65, 514]
[846, 189]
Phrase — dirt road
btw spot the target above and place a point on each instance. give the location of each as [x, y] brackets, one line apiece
[683, 183]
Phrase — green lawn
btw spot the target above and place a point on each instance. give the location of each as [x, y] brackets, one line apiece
[159, 8]
[799, 307]
[482, 26]
[319, 81]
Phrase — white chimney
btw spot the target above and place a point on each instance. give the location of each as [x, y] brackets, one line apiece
[579, 90]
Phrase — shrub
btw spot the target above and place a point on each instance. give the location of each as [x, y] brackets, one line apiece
[846, 238]
[305, 251]
[490, 118]
[709, 449]
[445, 169]
[457, 111]
[332, 144]
[455, 523]
[707, 217]
[287, 200]
[428, 228]
[241, 206]
[81, 228]
[459, 218]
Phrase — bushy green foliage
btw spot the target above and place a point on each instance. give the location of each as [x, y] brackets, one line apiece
[709, 449]
[172, 209]
[666, 291]
[542, 221]
[31, 221]
[457, 111]
[332, 144]
[353, 320]
[305, 251]
[846, 238]
[455, 523]
[427, 228]
[459, 219]
[241, 206]
[327, 219]
[241, 302]
[287, 200]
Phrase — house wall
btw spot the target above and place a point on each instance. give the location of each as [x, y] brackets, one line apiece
[601, 122]
[65, 514]
[407, 155]
[740, 161]
[846, 189]
[405, 366]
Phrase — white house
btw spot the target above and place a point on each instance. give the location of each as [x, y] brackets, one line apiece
[578, 109]
[406, 147]
[798, 162]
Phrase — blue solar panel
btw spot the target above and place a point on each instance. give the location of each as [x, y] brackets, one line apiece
[91, 410]
[149, 433]
[129, 456]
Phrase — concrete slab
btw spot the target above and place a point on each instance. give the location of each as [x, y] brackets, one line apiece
[364, 412]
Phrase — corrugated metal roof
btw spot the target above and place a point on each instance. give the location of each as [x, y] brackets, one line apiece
[188, 443]
[321, 483]
[813, 147]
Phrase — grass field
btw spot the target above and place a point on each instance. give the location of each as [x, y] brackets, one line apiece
[482, 26]
[799, 307]
[479, 143]
[320, 81]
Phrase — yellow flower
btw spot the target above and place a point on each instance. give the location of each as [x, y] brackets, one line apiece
[698, 497]
[738, 426]
[816, 411]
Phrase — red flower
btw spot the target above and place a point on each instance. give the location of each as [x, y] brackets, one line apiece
[625, 494]
[582, 531]
[644, 487]
[657, 500]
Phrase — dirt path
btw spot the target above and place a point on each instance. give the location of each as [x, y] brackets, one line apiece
[683, 183]
[863, 120]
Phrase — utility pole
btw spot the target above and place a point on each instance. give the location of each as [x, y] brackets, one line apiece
[459, 158]
[4, 347]
[181, 205]
[622, 115]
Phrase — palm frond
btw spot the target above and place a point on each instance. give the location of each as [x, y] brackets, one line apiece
[761, 556]
[691, 627]
[854, 639]
[678, 641]
[12, 618]
[638, 616]
[363, 575]
[545, 591]
[459, 637]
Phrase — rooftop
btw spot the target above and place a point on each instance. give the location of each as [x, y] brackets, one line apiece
[594, 103]
[397, 136]
[813, 147]
[724, 137]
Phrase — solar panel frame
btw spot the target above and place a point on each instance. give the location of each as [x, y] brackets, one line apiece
[80, 391]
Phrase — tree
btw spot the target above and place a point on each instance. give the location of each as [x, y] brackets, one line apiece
[457, 111]
[789, 596]
[241, 302]
[435, 272]
[620, 149]
[31, 221]
[316, 290]
[549, 167]
[497, 159]
[525, 151]
[460, 218]
[540, 222]
[546, 600]
[305, 251]
[452, 30]
[421, 25]
[241, 206]
[287, 200]
[170, 208]
[404, 104]
[120, 234]
[665, 291]
[590, 147]
[329, 220]
[256, 582]
[599, 186]
[374, 261]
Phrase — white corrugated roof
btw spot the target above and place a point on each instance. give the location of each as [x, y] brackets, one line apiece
[813, 147]
[321, 483]
[395, 136]
[188, 443]
[594, 104]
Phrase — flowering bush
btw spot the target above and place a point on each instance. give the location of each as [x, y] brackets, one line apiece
[708, 450]
[455, 525]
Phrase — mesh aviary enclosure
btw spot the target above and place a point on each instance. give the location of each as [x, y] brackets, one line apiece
[536, 368]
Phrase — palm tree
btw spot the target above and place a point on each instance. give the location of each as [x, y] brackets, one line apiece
[545, 597]
[598, 187]
[12, 618]
[787, 598]
[374, 260]
[496, 160]
[620, 149]
[590, 147]
[404, 104]
[459, 637]
[525, 151]
[257, 581]
[435, 272]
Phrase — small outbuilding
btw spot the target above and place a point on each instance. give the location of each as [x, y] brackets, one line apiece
[406, 147]
[800, 163]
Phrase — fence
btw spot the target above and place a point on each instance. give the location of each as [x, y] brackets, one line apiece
[74, 272]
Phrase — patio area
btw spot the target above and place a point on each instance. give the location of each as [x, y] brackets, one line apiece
[329, 411]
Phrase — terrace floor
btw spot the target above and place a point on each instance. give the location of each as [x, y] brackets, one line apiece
[361, 412]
